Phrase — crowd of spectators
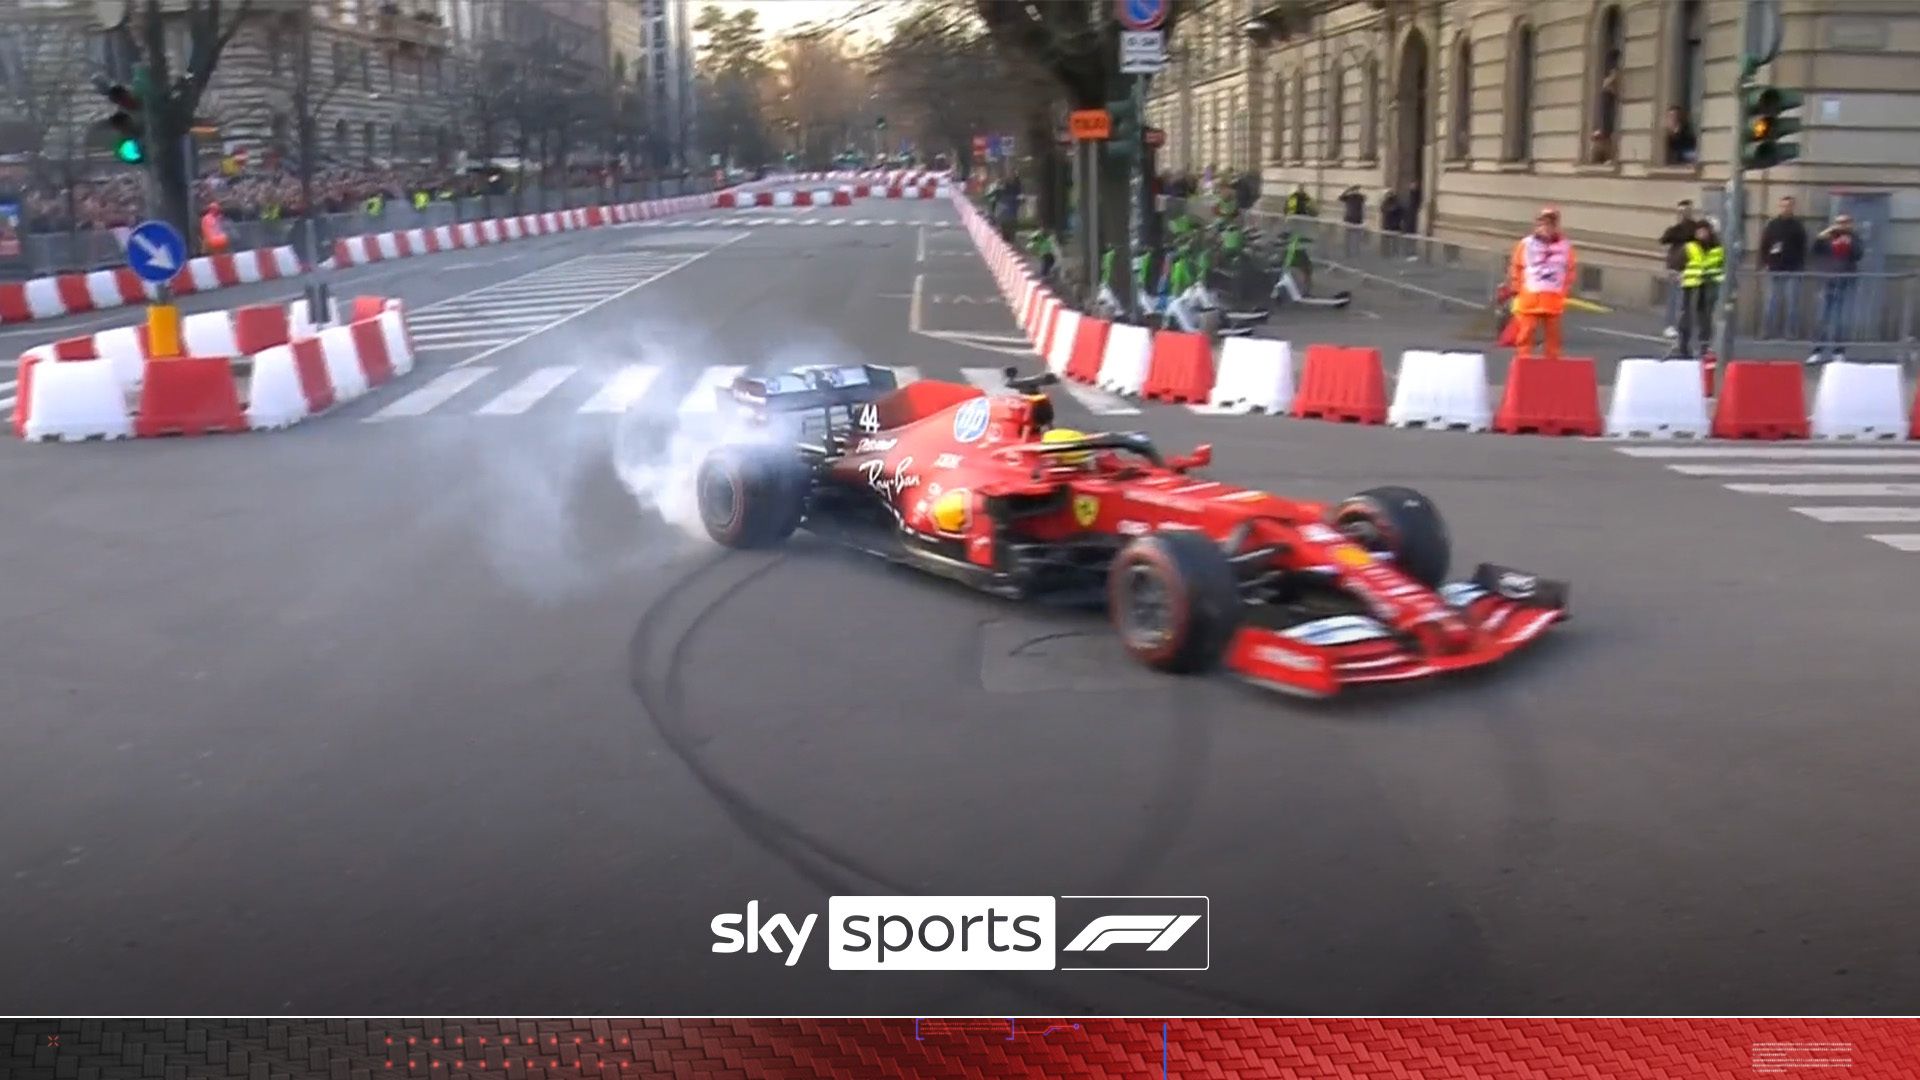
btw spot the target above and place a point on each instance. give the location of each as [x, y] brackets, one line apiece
[262, 194]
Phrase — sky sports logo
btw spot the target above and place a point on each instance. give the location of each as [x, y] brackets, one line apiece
[983, 933]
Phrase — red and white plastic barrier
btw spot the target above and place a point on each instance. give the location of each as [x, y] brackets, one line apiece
[108, 386]
[74, 294]
[1560, 397]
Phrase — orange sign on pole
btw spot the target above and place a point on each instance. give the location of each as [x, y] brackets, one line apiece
[1090, 124]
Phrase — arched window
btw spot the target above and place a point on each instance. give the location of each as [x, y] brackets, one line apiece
[1679, 138]
[1278, 151]
[1460, 138]
[342, 147]
[366, 131]
[1299, 97]
[1332, 91]
[1606, 44]
[1370, 110]
[1519, 141]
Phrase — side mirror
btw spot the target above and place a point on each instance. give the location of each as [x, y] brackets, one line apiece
[1201, 457]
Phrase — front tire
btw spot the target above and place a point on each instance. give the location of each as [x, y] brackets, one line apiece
[1403, 523]
[1174, 601]
[751, 496]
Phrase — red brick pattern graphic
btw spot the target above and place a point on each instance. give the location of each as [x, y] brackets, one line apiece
[950, 1049]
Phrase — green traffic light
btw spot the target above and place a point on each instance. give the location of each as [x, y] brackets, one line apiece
[129, 151]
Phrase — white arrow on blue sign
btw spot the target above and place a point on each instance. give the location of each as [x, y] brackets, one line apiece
[155, 251]
[1141, 14]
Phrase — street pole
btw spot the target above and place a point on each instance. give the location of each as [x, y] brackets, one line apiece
[1141, 191]
[1734, 228]
[314, 282]
[1090, 211]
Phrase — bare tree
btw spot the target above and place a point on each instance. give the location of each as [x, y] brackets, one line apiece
[44, 66]
[1077, 43]
[171, 98]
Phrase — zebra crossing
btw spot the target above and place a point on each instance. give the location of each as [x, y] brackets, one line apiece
[491, 318]
[495, 392]
[1857, 486]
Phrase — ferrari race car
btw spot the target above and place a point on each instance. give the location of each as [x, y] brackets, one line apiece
[1195, 574]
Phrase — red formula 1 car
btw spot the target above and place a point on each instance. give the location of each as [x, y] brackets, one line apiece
[1299, 596]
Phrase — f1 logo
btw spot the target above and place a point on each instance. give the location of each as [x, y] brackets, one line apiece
[1134, 933]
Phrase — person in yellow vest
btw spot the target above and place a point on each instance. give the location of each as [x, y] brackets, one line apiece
[420, 199]
[1539, 277]
[213, 231]
[1705, 266]
[375, 205]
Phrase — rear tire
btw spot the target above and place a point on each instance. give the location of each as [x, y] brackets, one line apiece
[1174, 601]
[751, 496]
[1403, 523]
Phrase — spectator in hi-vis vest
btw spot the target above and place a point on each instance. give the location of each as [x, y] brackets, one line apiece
[213, 231]
[1539, 277]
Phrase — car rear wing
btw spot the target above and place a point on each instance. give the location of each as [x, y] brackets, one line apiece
[811, 389]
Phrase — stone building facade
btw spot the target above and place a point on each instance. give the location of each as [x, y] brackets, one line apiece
[1495, 107]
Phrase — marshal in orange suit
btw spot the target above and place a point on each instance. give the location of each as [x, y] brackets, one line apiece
[1540, 276]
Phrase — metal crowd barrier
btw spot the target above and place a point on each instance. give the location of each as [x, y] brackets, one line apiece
[1878, 313]
[44, 254]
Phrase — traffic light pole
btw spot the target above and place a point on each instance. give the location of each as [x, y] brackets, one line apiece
[1733, 233]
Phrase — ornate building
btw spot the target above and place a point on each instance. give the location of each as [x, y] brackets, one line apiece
[1494, 107]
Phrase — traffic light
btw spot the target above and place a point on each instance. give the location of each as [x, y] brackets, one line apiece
[127, 131]
[1123, 120]
[1764, 123]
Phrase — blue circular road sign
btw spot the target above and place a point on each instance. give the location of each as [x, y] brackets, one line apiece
[155, 251]
[1141, 14]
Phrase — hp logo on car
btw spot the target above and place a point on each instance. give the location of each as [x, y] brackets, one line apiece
[971, 421]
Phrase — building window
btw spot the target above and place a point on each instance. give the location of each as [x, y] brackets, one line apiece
[366, 72]
[341, 145]
[1460, 139]
[274, 46]
[1278, 151]
[399, 142]
[366, 133]
[1686, 83]
[1609, 41]
[1519, 110]
[1333, 113]
[1370, 110]
[1299, 96]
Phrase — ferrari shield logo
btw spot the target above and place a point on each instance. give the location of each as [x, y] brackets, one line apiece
[1085, 509]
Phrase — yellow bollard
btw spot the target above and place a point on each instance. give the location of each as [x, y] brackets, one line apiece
[163, 331]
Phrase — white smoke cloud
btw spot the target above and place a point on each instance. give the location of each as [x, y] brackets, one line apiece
[540, 483]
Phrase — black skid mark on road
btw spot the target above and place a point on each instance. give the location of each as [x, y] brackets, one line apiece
[662, 697]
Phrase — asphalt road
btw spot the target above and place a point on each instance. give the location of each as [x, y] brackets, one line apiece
[434, 710]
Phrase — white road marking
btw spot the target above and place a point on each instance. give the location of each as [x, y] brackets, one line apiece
[524, 394]
[609, 298]
[905, 374]
[1838, 491]
[443, 388]
[1848, 514]
[626, 387]
[1898, 541]
[1790, 453]
[703, 398]
[1800, 469]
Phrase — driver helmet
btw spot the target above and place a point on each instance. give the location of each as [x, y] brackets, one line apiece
[1067, 435]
